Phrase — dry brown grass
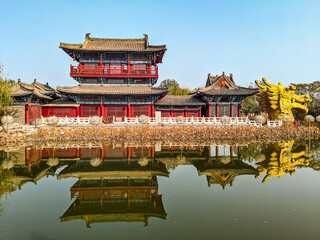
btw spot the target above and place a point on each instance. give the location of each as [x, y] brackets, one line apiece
[163, 134]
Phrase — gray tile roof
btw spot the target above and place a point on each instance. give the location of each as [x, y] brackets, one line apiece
[112, 90]
[225, 86]
[180, 100]
[36, 88]
[116, 45]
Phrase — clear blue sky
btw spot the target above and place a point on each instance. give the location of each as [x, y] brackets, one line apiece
[276, 39]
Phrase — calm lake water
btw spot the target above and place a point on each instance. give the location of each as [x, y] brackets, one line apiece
[166, 191]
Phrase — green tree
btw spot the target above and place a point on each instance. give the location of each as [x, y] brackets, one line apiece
[250, 104]
[174, 87]
[313, 89]
[5, 91]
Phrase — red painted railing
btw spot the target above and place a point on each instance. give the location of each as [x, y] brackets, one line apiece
[148, 71]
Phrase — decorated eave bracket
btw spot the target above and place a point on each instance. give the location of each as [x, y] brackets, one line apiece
[77, 56]
[152, 58]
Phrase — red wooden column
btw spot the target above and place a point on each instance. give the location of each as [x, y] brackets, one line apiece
[231, 110]
[129, 109]
[217, 110]
[101, 108]
[152, 110]
[27, 112]
[209, 110]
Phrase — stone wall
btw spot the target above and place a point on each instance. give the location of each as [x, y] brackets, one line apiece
[20, 115]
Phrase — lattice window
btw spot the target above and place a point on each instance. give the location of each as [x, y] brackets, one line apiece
[224, 110]
[118, 111]
[178, 114]
[140, 110]
[235, 111]
[165, 113]
[193, 113]
[89, 111]
[213, 111]
[62, 112]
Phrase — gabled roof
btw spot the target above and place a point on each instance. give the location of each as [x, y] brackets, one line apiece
[225, 86]
[112, 90]
[37, 89]
[114, 45]
[215, 81]
[184, 100]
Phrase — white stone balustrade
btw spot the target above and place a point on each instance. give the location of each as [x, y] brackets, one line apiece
[214, 121]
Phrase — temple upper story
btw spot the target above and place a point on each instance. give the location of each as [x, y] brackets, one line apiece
[115, 61]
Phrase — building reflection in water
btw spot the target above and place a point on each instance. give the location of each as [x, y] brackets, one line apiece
[223, 165]
[115, 184]
[119, 183]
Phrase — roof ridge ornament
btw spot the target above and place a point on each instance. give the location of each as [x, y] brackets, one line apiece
[88, 36]
[146, 38]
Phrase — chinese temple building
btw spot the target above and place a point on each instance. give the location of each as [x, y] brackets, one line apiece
[176, 106]
[29, 98]
[223, 96]
[116, 79]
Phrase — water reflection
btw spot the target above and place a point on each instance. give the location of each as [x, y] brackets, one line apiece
[119, 183]
[282, 158]
[115, 200]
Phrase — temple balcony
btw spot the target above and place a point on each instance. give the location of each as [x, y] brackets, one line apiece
[127, 71]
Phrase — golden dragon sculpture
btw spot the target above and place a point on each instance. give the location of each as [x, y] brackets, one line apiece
[278, 100]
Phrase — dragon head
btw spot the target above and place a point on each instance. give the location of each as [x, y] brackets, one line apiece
[279, 100]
